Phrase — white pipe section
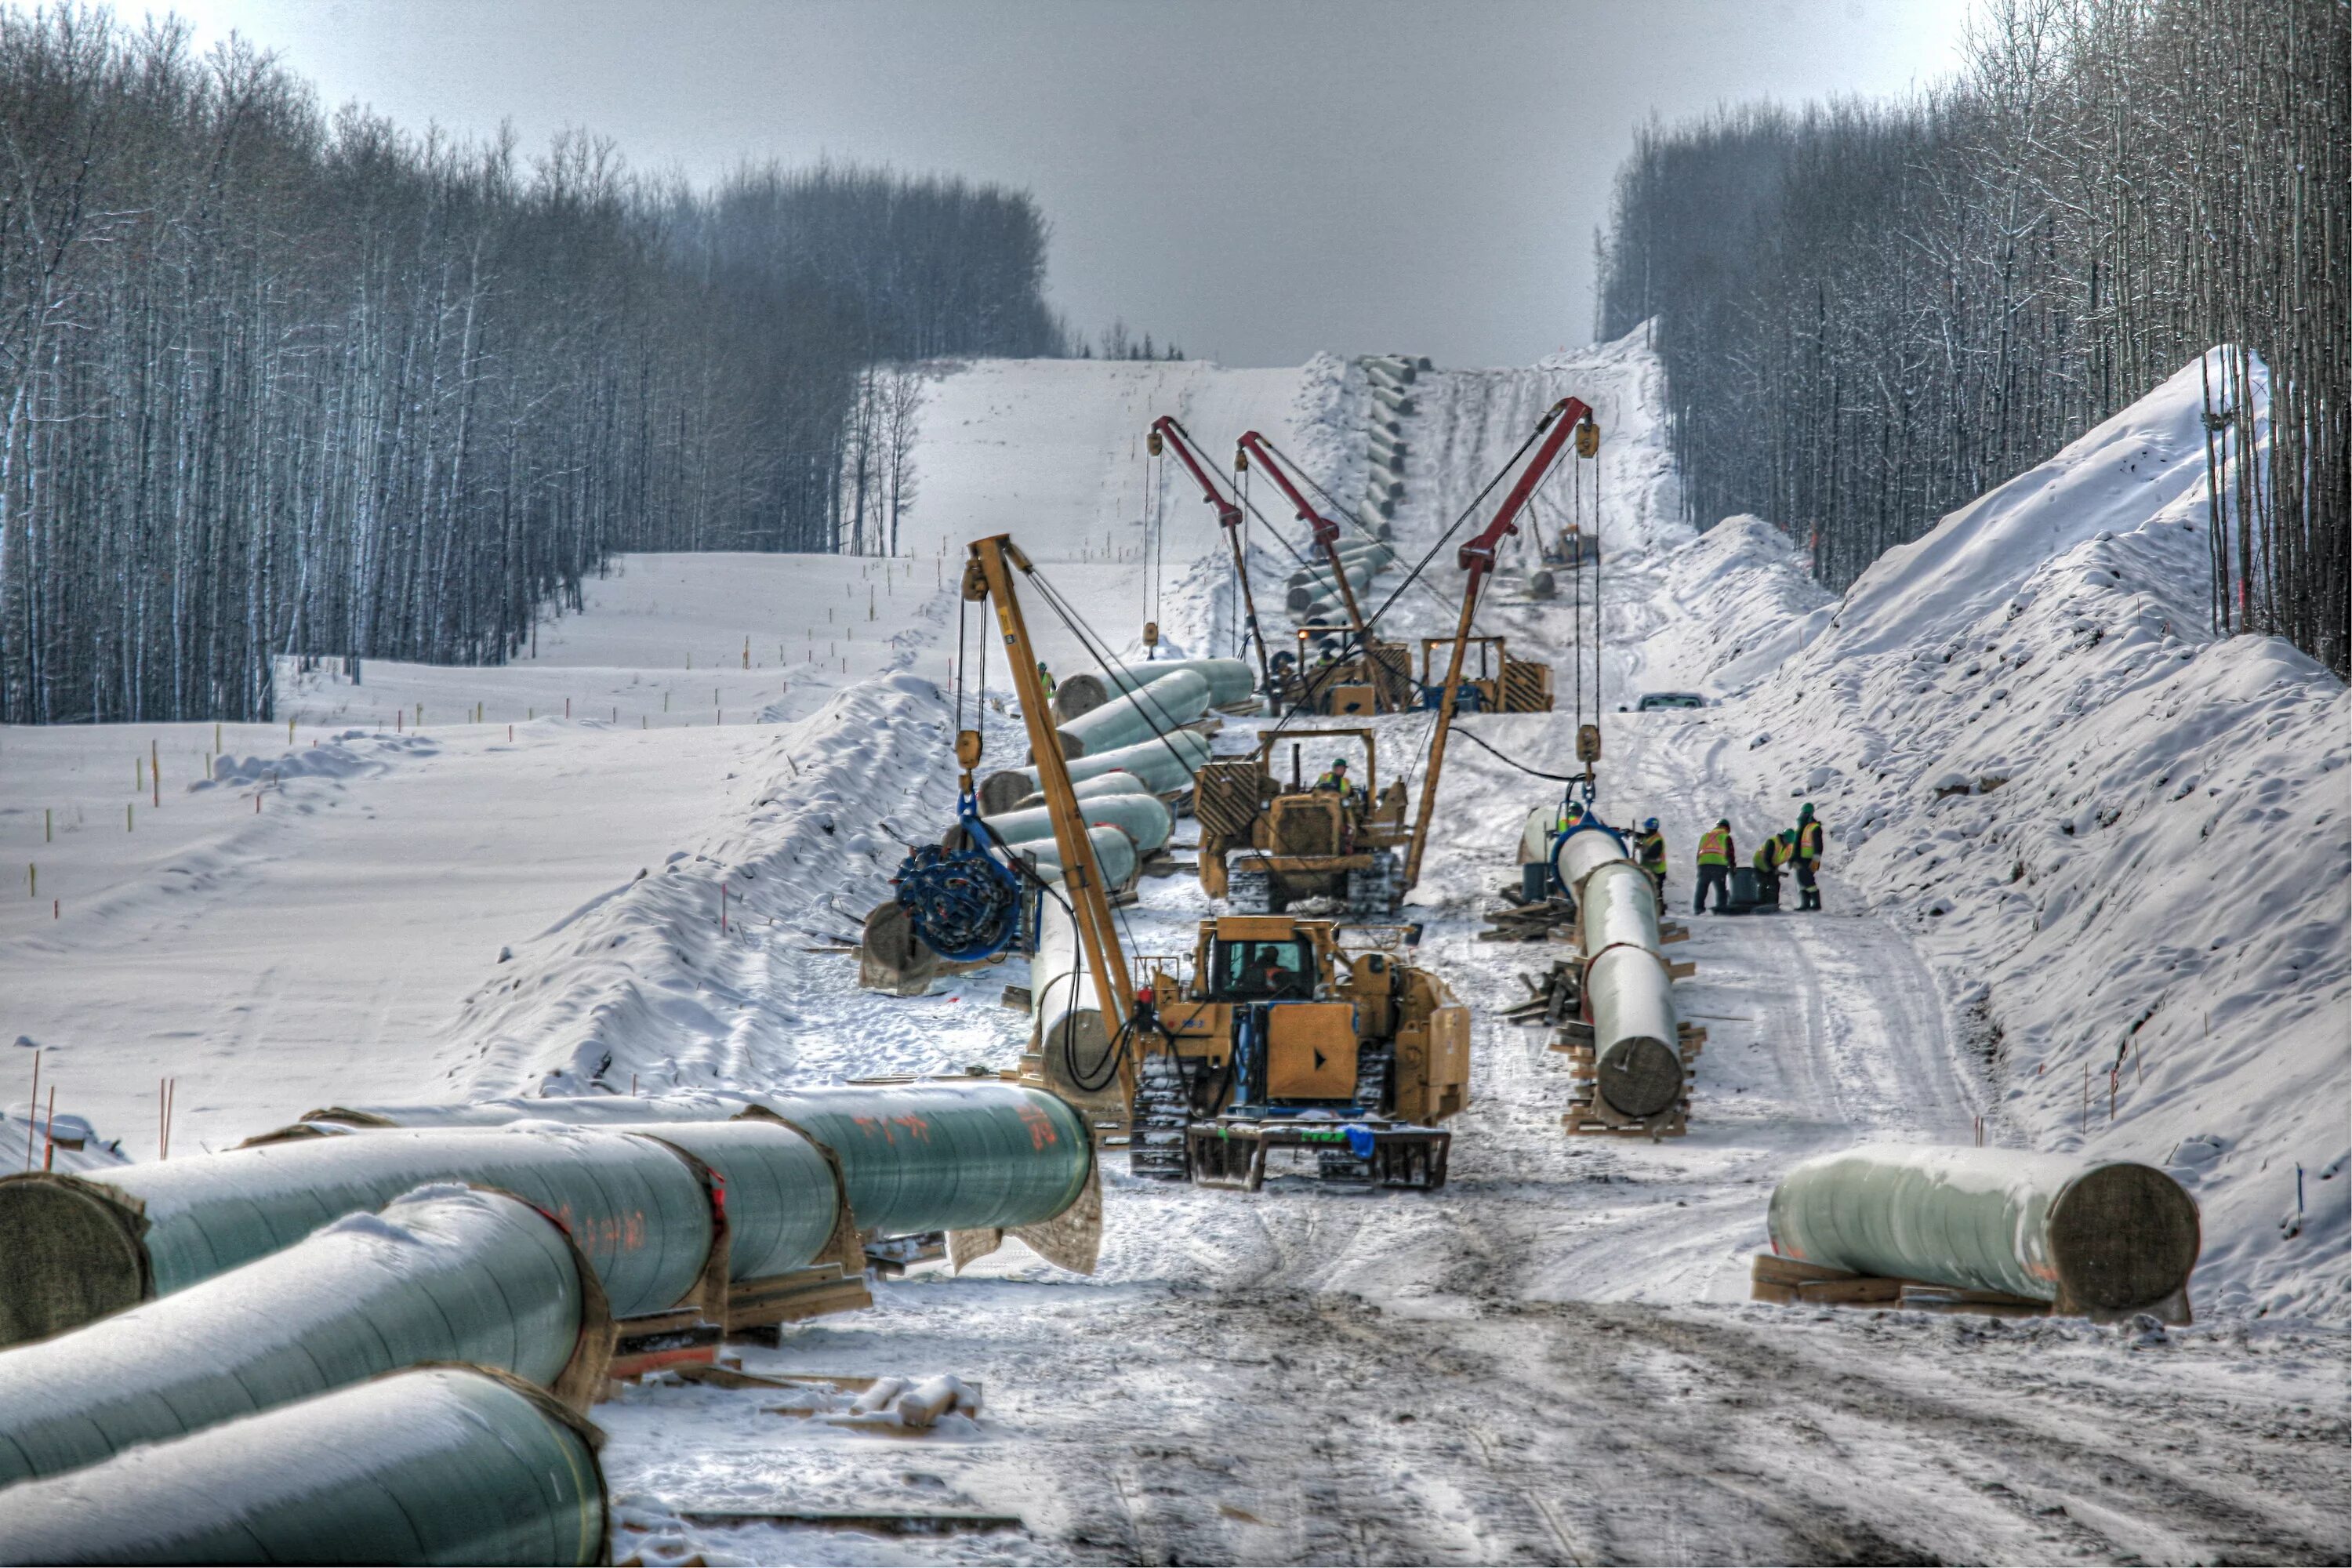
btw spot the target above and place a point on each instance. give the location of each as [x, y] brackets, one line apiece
[1396, 402]
[1619, 907]
[1114, 852]
[1628, 990]
[1231, 680]
[1064, 1013]
[1120, 782]
[1164, 766]
[1136, 716]
[1144, 818]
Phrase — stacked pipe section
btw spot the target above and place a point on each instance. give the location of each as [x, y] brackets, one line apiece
[446, 1273]
[1230, 683]
[259, 1403]
[915, 1158]
[2103, 1238]
[1628, 990]
[1163, 765]
[434, 1465]
[1387, 405]
[639, 1204]
[1149, 711]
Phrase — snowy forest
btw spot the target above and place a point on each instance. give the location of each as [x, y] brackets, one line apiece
[280, 380]
[1870, 312]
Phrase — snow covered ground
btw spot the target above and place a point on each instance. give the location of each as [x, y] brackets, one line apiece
[1552, 1359]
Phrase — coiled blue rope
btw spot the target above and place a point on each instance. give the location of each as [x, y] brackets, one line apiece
[964, 903]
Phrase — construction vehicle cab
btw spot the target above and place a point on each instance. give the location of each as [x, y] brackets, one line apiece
[1361, 681]
[1268, 841]
[1501, 684]
[1285, 1033]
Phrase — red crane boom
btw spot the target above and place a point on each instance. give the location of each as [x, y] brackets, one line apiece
[1476, 557]
[1166, 431]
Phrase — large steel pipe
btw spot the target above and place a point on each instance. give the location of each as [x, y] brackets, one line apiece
[1115, 856]
[446, 1273]
[1637, 1068]
[901, 1172]
[1165, 764]
[2102, 1237]
[1066, 1021]
[83, 1246]
[1143, 714]
[1617, 906]
[1230, 681]
[438, 1464]
[1117, 783]
[1145, 819]
[1628, 989]
[782, 1200]
[946, 1157]
[1320, 586]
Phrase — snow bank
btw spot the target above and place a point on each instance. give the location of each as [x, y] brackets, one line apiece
[1746, 601]
[2124, 844]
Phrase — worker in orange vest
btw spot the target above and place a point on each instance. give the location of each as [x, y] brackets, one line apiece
[1714, 861]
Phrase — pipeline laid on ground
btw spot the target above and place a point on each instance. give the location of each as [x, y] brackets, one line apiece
[434, 1465]
[2104, 1237]
[914, 1157]
[445, 1274]
[1231, 682]
[87, 1246]
[1140, 715]
[1165, 764]
[1628, 989]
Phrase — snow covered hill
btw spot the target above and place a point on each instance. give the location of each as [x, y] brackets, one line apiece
[2123, 843]
[2057, 809]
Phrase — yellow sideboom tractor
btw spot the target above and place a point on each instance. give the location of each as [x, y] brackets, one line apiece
[1266, 844]
[1288, 1036]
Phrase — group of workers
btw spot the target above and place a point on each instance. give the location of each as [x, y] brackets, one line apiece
[1798, 848]
[1794, 850]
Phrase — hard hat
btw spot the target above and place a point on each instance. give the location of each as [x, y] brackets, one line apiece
[1339, 765]
[1805, 810]
[1651, 826]
[1723, 822]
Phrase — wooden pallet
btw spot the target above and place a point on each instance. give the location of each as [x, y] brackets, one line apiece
[1792, 1282]
[1588, 1114]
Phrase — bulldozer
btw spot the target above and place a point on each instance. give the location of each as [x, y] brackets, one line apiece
[1375, 679]
[1265, 844]
[1280, 1033]
[1311, 1035]
[1502, 684]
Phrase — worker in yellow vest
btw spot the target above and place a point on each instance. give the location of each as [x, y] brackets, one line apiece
[1650, 851]
[1715, 860]
[1772, 855]
[1808, 859]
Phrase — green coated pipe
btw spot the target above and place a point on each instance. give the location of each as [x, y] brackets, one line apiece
[438, 1464]
[2102, 1237]
[448, 1273]
[782, 1199]
[946, 1155]
[87, 1246]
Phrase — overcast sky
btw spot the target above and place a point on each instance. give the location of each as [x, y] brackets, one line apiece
[1258, 179]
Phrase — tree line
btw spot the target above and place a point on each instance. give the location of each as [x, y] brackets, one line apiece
[275, 380]
[1870, 312]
